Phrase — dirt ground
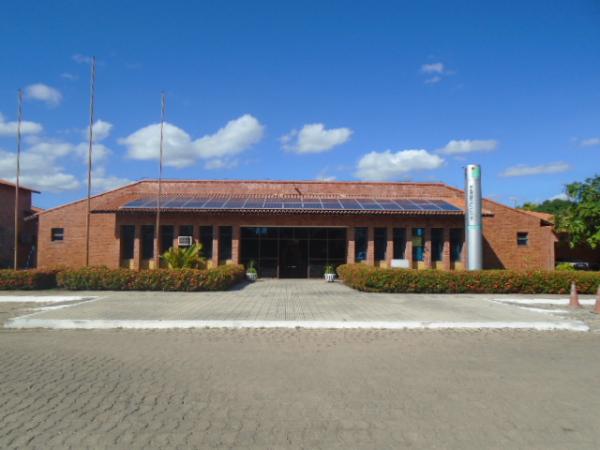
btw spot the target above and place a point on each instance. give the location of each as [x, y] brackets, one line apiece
[309, 389]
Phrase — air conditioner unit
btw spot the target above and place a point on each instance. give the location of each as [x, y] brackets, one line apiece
[185, 241]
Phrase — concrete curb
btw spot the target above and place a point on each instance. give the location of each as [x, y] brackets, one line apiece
[61, 324]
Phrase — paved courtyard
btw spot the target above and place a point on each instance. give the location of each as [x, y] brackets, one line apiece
[293, 388]
[288, 303]
[311, 389]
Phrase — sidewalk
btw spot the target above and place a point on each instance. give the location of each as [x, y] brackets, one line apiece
[289, 304]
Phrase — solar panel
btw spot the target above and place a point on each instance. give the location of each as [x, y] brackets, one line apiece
[174, 202]
[196, 203]
[312, 204]
[369, 204]
[214, 203]
[331, 204]
[273, 205]
[350, 203]
[326, 204]
[254, 203]
[136, 203]
[390, 205]
[235, 203]
[292, 205]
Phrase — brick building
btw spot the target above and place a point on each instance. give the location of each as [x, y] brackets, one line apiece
[27, 229]
[292, 229]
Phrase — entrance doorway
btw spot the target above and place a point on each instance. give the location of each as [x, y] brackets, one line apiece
[293, 252]
[293, 258]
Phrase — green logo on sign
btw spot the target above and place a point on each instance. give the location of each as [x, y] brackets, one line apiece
[476, 172]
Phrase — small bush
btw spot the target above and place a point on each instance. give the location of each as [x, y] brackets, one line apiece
[103, 278]
[27, 279]
[373, 279]
[565, 267]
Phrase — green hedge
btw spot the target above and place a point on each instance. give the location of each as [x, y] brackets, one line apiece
[27, 279]
[373, 279]
[102, 278]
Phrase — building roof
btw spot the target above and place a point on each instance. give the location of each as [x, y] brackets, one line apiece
[116, 199]
[544, 217]
[13, 185]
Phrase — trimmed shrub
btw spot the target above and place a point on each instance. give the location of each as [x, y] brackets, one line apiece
[373, 279]
[102, 278]
[27, 279]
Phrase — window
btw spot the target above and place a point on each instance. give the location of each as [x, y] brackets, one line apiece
[457, 238]
[380, 243]
[360, 244]
[399, 235]
[167, 234]
[206, 239]
[418, 244]
[225, 237]
[186, 230]
[57, 234]
[522, 238]
[437, 244]
[147, 235]
[127, 241]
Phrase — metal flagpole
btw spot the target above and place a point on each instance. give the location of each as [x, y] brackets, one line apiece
[17, 181]
[160, 170]
[91, 140]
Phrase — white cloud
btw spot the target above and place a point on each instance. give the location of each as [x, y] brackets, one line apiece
[82, 59]
[386, 165]
[314, 138]
[521, 170]
[180, 150]
[10, 128]
[324, 177]
[433, 68]
[102, 182]
[42, 164]
[101, 130]
[232, 139]
[69, 76]
[433, 80]
[458, 147]
[435, 72]
[562, 196]
[590, 142]
[44, 93]
[40, 168]
[213, 164]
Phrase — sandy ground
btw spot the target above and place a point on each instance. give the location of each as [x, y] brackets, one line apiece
[298, 389]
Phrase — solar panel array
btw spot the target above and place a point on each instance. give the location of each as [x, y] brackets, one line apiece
[318, 204]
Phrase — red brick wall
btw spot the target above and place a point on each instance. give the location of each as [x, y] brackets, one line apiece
[7, 225]
[500, 231]
[500, 240]
[104, 245]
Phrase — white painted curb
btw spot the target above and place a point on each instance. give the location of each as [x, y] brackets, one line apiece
[42, 298]
[543, 301]
[61, 324]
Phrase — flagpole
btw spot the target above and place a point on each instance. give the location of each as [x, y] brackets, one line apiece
[90, 145]
[160, 171]
[18, 176]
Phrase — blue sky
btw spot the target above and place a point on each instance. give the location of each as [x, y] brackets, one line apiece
[305, 90]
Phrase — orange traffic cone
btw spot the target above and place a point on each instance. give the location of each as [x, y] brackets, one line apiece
[597, 306]
[574, 298]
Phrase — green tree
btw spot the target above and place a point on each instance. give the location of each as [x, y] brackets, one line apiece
[582, 218]
[555, 207]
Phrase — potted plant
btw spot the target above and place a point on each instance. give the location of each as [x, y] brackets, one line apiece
[251, 272]
[329, 273]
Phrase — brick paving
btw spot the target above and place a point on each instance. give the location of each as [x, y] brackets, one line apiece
[290, 300]
[311, 389]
